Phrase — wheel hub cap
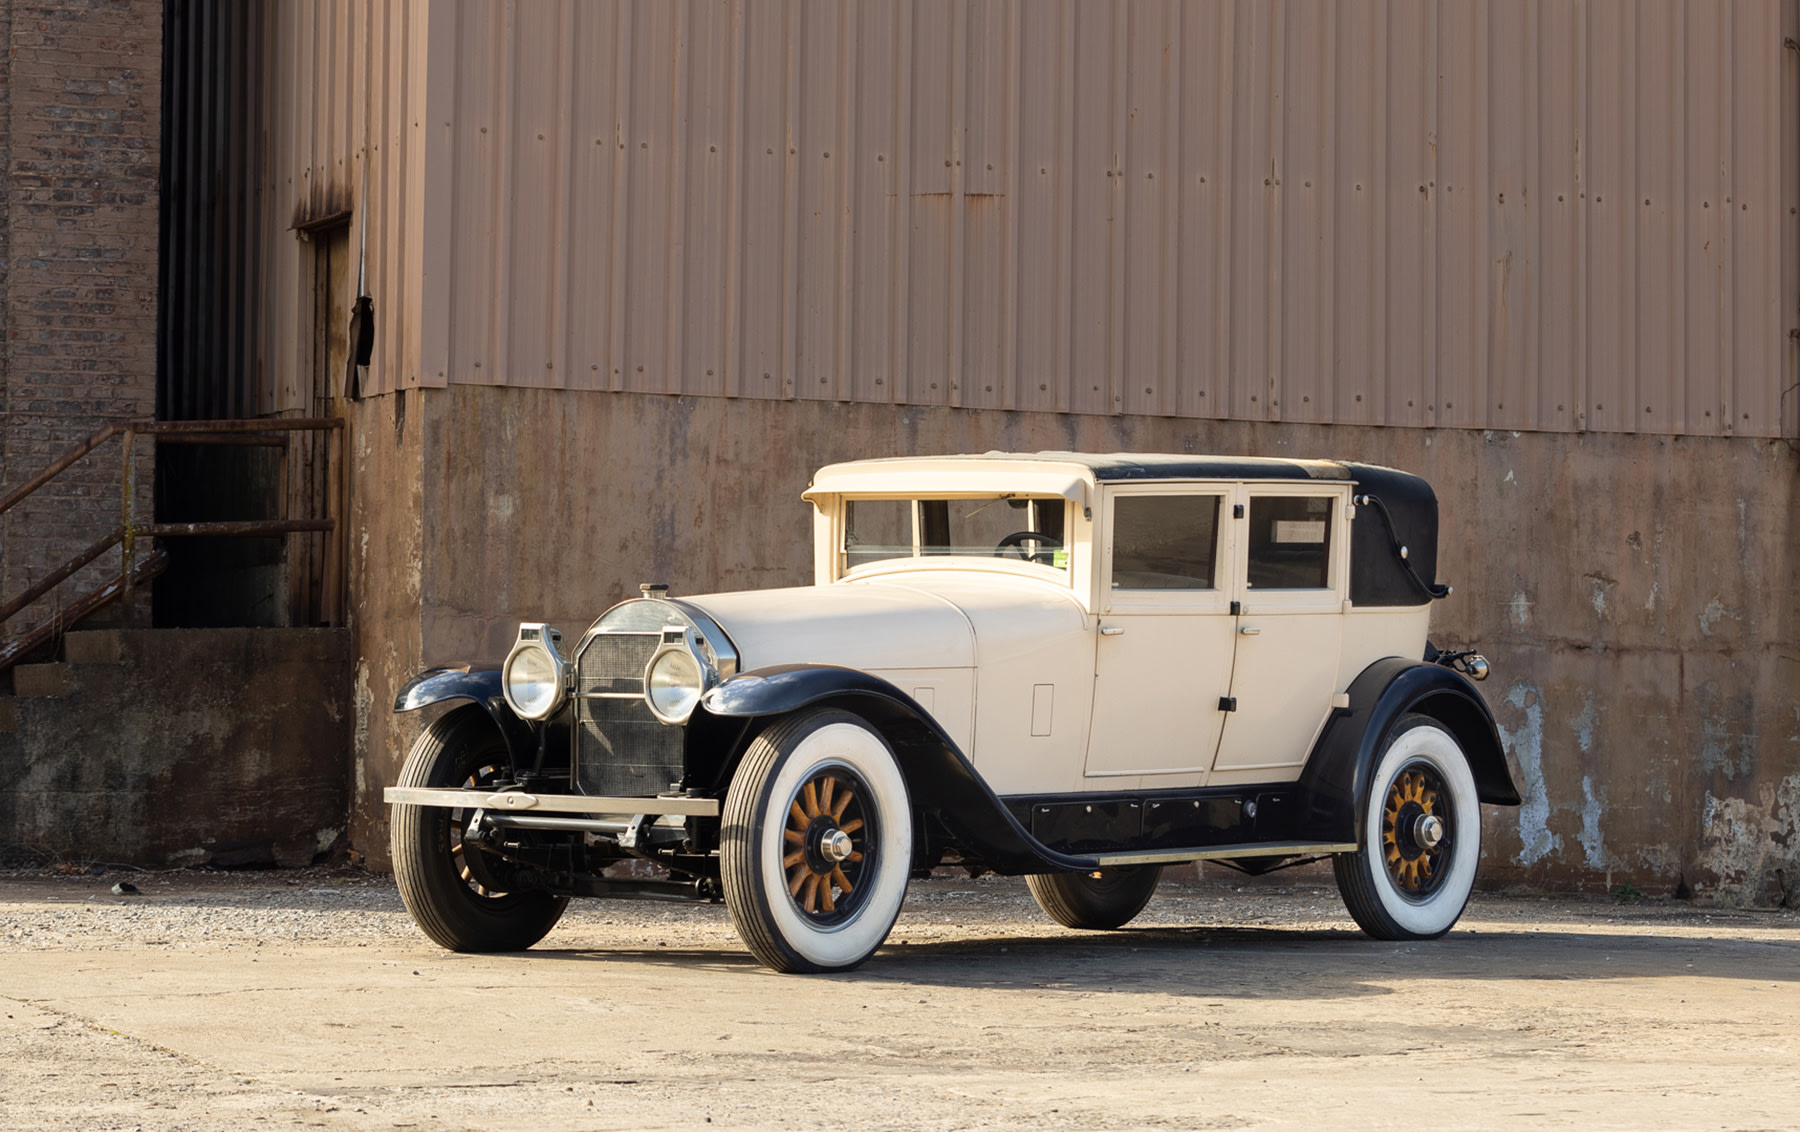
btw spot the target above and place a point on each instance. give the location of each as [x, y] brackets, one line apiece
[836, 846]
[1428, 830]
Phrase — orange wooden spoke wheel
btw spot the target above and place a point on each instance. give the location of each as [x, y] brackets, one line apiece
[1416, 830]
[826, 839]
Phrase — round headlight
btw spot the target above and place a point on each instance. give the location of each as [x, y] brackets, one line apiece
[673, 684]
[533, 681]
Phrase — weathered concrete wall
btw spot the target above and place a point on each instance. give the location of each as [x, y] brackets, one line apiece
[389, 519]
[1636, 594]
[180, 746]
[80, 90]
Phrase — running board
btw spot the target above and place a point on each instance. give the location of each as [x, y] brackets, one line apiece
[516, 800]
[1215, 852]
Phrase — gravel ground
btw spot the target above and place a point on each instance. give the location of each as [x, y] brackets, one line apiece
[308, 999]
[41, 909]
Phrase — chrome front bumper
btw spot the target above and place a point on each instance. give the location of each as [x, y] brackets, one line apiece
[517, 801]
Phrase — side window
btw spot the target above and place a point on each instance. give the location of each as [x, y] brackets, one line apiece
[1290, 543]
[876, 529]
[1164, 542]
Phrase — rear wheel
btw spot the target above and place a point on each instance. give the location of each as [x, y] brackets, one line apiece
[1104, 899]
[1421, 837]
[453, 897]
[816, 843]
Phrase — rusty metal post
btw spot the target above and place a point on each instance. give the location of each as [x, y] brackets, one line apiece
[128, 527]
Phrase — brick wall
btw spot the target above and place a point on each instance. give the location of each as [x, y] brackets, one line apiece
[80, 91]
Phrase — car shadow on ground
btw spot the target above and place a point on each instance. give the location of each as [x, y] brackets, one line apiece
[1264, 962]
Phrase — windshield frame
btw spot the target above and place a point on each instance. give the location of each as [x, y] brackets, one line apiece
[970, 556]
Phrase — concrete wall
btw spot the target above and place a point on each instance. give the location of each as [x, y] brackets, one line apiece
[1635, 593]
[80, 88]
[180, 747]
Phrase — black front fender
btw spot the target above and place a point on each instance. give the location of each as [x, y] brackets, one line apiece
[1334, 786]
[441, 685]
[942, 782]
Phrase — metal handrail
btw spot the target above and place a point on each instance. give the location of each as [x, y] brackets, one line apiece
[269, 432]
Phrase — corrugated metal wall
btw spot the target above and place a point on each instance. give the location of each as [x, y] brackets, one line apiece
[345, 85]
[1515, 215]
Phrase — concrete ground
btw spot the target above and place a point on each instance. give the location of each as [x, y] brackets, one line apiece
[307, 999]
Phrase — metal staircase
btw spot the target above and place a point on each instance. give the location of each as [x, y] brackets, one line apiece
[137, 567]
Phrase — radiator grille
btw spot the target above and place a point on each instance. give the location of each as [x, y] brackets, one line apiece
[620, 748]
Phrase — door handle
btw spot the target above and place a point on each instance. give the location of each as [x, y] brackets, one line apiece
[1249, 631]
[1112, 630]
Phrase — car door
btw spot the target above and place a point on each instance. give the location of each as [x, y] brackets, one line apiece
[1163, 658]
[1290, 583]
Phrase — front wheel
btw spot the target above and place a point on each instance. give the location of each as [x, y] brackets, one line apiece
[1421, 837]
[1100, 900]
[816, 843]
[454, 899]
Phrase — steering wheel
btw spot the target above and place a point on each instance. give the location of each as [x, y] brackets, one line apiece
[1015, 543]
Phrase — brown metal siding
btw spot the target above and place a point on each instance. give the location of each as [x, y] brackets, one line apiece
[1520, 215]
[344, 88]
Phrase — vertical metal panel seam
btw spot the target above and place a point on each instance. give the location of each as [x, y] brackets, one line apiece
[845, 147]
[790, 181]
[1634, 395]
[506, 142]
[1324, 383]
[899, 323]
[562, 345]
[675, 244]
[1010, 265]
[1727, 278]
[1787, 123]
[1168, 396]
[1117, 204]
[731, 348]
[615, 336]
[1225, 177]
[1383, 410]
[955, 369]
[1583, 253]
[1275, 357]
[456, 367]
[1769, 415]
[1065, 210]
[1429, 350]
[1682, 386]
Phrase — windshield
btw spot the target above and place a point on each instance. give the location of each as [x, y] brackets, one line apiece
[1015, 528]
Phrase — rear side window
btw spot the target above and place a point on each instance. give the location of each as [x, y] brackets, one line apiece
[1165, 542]
[1290, 543]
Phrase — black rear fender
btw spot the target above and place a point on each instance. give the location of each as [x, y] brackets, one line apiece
[1334, 785]
[942, 783]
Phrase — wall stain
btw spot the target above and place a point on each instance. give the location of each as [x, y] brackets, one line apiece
[1753, 848]
[1526, 744]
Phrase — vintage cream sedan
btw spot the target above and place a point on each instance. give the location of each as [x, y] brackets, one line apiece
[1080, 668]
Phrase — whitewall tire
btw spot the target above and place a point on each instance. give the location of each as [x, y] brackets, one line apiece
[816, 843]
[1421, 839]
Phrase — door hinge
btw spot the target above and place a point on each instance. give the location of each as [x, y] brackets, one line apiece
[1227, 703]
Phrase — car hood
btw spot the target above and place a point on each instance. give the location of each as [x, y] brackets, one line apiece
[859, 625]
